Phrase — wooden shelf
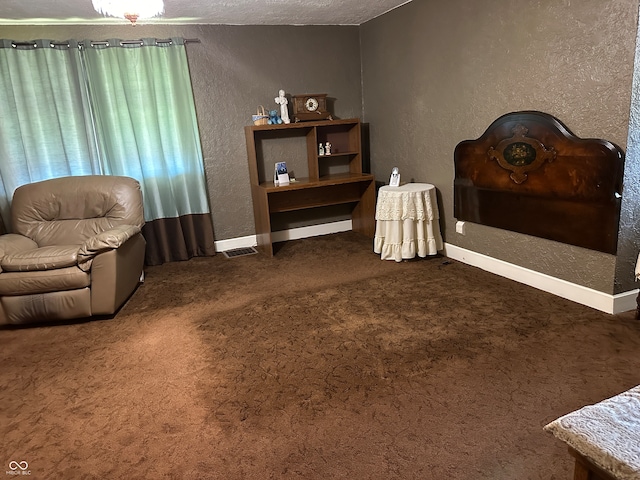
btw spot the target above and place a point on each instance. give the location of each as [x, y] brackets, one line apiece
[303, 125]
[321, 186]
[338, 154]
[335, 179]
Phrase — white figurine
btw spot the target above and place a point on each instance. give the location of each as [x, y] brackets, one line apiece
[394, 180]
[320, 149]
[327, 149]
[284, 111]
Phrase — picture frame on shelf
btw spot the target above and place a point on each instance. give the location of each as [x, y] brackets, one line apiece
[281, 174]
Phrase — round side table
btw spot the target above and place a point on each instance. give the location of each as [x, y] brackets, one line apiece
[407, 222]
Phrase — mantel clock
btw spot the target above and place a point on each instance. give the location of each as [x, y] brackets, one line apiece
[310, 106]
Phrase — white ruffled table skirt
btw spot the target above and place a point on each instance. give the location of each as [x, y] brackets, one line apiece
[407, 222]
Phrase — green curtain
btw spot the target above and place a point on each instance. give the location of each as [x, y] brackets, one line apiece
[43, 129]
[144, 109]
[113, 107]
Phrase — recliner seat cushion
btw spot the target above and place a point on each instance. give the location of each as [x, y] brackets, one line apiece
[43, 258]
[43, 281]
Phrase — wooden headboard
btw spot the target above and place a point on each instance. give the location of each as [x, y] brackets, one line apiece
[528, 173]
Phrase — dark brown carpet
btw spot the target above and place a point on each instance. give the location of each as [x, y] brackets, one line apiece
[321, 363]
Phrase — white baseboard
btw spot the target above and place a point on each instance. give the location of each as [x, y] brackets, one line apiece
[625, 301]
[607, 303]
[284, 235]
[311, 231]
[238, 242]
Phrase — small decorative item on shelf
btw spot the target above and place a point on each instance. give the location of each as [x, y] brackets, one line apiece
[394, 180]
[320, 149]
[261, 118]
[284, 110]
[281, 175]
[310, 106]
[327, 148]
[274, 118]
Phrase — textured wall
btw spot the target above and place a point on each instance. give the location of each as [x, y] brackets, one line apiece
[239, 67]
[629, 234]
[234, 69]
[437, 73]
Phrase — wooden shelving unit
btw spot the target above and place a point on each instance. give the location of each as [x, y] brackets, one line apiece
[329, 179]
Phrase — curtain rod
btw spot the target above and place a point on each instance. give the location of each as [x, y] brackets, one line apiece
[33, 44]
[141, 42]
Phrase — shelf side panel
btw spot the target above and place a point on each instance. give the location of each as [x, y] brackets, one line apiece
[364, 212]
[312, 154]
[262, 219]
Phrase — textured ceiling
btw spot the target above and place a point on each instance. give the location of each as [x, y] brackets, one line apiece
[240, 12]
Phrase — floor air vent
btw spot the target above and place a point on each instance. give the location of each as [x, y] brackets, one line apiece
[240, 252]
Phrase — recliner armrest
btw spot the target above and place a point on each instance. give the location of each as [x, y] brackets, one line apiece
[104, 241]
[13, 243]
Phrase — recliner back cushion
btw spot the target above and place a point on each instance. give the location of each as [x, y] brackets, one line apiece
[69, 210]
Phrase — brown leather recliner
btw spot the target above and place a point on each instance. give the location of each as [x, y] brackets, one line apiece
[76, 249]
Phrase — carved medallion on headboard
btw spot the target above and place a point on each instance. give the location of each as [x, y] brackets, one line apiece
[529, 174]
[520, 154]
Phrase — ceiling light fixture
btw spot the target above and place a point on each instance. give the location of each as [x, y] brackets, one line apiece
[132, 10]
